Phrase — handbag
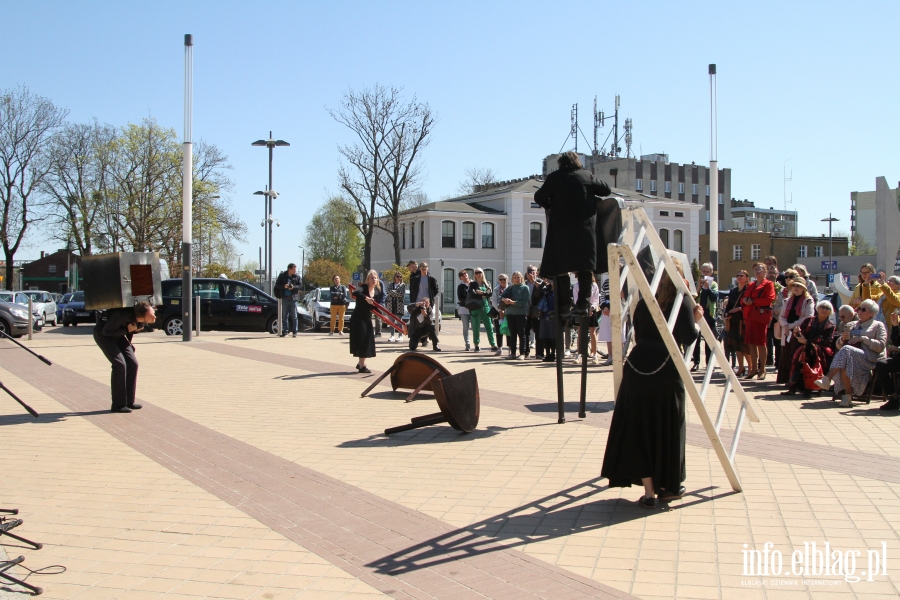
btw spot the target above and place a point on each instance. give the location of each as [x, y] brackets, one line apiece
[760, 315]
[474, 301]
[504, 327]
[811, 374]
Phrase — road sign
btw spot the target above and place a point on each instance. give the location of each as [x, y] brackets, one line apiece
[357, 276]
[260, 271]
[829, 265]
[830, 278]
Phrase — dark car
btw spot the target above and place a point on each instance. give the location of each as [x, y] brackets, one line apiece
[75, 313]
[225, 305]
[14, 319]
[61, 305]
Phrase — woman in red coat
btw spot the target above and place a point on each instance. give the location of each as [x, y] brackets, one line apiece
[757, 303]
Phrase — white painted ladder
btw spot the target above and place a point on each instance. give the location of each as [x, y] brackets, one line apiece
[635, 219]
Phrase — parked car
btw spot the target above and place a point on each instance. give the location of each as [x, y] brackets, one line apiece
[318, 303]
[75, 312]
[21, 299]
[13, 319]
[304, 318]
[44, 303]
[225, 305]
[61, 305]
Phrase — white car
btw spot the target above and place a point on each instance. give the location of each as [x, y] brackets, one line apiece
[318, 303]
[44, 303]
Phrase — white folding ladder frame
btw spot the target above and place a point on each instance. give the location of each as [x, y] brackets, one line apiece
[625, 251]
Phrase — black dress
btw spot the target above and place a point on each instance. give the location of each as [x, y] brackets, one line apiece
[362, 333]
[647, 433]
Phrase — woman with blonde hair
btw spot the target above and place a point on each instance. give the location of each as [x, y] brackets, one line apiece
[362, 332]
[647, 435]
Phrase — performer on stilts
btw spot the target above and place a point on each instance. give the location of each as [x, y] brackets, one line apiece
[576, 242]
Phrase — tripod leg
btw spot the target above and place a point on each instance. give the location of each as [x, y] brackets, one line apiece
[19, 400]
[9, 511]
[37, 591]
[35, 545]
[560, 343]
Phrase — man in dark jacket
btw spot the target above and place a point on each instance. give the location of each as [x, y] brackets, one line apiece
[287, 287]
[424, 287]
[113, 333]
[569, 195]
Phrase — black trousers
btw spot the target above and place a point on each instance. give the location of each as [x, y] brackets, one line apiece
[123, 380]
[516, 325]
[497, 335]
[533, 325]
[421, 335]
[712, 325]
[884, 369]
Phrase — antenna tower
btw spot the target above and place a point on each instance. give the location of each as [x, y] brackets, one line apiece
[596, 125]
[627, 138]
[615, 145]
[574, 132]
[786, 179]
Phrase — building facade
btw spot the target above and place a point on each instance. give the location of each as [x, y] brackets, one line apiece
[501, 229]
[863, 213]
[51, 272]
[653, 175]
[740, 249]
[745, 216]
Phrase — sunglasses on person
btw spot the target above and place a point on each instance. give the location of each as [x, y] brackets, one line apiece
[862, 309]
[502, 279]
[740, 275]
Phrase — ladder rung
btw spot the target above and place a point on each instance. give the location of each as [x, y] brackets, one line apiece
[721, 416]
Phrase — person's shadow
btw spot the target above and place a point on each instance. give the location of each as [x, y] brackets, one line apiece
[560, 514]
[56, 417]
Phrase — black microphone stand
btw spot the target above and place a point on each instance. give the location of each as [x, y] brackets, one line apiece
[10, 392]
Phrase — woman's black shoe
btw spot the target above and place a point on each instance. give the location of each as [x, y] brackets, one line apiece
[364, 370]
[695, 367]
[647, 502]
[358, 367]
[549, 358]
[477, 349]
[667, 495]
[788, 392]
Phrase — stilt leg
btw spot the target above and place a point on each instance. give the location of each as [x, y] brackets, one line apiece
[560, 343]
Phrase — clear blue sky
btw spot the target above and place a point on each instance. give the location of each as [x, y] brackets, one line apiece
[811, 83]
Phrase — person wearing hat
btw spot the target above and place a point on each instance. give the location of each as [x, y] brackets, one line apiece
[798, 307]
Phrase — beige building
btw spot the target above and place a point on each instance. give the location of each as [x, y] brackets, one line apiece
[745, 216]
[740, 249]
[863, 217]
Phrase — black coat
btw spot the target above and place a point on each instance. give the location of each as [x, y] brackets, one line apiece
[415, 282]
[570, 198]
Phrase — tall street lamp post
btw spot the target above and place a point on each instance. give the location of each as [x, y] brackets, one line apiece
[303, 267]
[187, 194]
[830, 220]
[272, 194]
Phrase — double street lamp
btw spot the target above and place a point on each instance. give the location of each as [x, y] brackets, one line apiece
[830, 220]
[270, 195]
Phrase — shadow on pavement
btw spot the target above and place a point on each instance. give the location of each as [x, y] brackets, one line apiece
[572, 407]
[433, 434]
[19, 419]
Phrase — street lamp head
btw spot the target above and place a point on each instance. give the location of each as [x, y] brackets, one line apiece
[281, 143]
[273, 194]
[259, 143]
[260, 193]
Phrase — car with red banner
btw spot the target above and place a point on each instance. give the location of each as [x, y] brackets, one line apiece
[225, 305]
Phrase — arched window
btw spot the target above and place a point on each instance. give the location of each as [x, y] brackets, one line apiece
[448, 234]
[468, 234]
[412, 235]
[471, 273]
[489, 276]
[664, 236]
[537, 237]
[421, 234]
[403, 236]
[678, 241]
[487, 235]
[449, 295]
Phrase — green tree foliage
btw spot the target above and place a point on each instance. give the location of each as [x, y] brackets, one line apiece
[331, 235]
[320, 272]
[389, 274]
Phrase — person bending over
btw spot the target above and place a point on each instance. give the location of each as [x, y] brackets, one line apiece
[113, 334]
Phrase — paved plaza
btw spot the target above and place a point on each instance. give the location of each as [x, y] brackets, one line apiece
[256, 470]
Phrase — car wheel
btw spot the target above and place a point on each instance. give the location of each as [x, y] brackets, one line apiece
[272, 326]
[317, 327]
[5, 328]
[173, 326]
[65, 323]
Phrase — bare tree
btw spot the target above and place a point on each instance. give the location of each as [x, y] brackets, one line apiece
[477, 177]
[370, 114]
[409, 135]
[77, 182]
[27, 122]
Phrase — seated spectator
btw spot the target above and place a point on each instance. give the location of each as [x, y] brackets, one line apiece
[887, 366]
[814, 337]
[859, 350]
[864, 289]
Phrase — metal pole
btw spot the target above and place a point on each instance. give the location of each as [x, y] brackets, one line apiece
[187, 193]
[280, 317]
[30, 318]
[270, 219]
[830, 251]
[713, 174]
[197, 313]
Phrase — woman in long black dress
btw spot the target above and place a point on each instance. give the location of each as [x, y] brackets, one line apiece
[647, 435]
[362, 333]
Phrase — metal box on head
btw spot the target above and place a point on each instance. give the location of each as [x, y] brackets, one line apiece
[120, 279]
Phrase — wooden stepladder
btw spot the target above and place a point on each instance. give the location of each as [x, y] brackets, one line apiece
[637, 232]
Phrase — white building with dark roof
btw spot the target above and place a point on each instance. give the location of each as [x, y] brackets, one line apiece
[501, 229]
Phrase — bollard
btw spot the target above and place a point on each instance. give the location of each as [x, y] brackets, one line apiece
[197, 314]
[279, 317]
[30, 317]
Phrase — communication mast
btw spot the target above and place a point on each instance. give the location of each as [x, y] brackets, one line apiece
[574, 131]
[627, 138]
[615, 145]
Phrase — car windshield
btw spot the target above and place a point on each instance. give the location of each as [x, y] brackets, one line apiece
[324, 295]
[77, 297]
[35, 296]
[66, 298]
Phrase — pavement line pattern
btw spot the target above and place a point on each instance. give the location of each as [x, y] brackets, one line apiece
[817, 456]
[396, 550]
